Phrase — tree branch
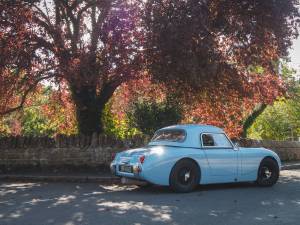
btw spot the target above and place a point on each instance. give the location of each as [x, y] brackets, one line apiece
[96, 28]
[252, 117]
[42, 14]
[106, 92]
[43, 43]
[25, 95]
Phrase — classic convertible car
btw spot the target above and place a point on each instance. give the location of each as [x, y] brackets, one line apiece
[183, 156]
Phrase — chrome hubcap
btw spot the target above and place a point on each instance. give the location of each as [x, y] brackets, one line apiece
[186, 176]
[266, 172]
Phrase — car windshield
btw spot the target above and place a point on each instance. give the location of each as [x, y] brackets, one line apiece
[169, 135]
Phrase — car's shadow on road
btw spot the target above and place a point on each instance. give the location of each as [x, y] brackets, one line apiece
[208, 187]
[284, 180]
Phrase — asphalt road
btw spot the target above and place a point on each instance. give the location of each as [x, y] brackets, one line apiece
[88, 203]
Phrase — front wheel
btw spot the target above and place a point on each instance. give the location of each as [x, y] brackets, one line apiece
[185, 176]
[268, 173]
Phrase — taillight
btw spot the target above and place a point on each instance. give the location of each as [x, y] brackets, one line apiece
[142, 159]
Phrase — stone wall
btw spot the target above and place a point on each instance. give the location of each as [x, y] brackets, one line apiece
[287, 150]
[93, 152]
[62, 152]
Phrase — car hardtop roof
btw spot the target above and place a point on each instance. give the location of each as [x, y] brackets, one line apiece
[195, 127]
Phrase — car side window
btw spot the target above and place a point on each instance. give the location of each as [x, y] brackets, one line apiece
[218, 140]
[207, 140]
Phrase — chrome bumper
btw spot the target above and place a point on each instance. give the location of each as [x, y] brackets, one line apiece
[137, 169]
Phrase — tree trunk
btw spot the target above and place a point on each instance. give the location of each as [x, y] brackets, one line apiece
[90, 104]
[88, 109]
[252, 117]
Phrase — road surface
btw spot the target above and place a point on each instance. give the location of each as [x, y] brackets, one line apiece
[91, 203]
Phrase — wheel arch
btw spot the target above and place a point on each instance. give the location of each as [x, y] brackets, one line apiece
[269, 157]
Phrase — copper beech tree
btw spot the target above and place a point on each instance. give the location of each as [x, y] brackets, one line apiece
[220, 54]
[93, 46]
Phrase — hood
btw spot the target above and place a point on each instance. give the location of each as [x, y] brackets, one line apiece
[260, 149]
[262, 152]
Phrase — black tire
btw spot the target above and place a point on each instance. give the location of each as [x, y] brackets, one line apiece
[268, 173]
[185, 176]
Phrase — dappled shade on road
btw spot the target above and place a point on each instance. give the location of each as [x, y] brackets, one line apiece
[82, 203]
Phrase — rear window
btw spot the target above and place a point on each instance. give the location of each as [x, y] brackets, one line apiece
[169, 135]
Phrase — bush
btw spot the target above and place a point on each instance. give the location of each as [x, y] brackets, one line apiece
[150, 116]
[116, 126]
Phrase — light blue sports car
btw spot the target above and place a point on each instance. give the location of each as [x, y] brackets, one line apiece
[183, 156]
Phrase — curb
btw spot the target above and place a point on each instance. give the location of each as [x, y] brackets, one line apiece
[75, 179]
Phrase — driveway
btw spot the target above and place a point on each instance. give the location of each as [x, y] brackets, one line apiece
[88, 203]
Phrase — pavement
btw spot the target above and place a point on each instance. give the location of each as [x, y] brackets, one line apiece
[290, 165]
[69, 203]
[88, 176]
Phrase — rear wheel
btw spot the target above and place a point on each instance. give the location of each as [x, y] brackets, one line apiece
[268, 173]
[185, 176]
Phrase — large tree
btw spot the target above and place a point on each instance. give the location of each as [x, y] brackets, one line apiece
[213, 43]
[92, 46]
[206, 48]
[223, 53]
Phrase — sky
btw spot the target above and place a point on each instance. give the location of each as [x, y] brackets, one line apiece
[295, 55]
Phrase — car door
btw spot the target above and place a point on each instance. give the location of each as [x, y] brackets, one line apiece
[222, 157]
